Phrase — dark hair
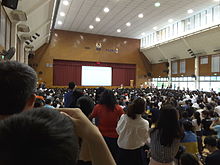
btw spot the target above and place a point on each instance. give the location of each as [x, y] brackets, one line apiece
[168, 125]
[201, 106]
[71, 85]
[107, 98]
[187, 125]
[42, 136]
[197, 117]
[210, 140]
[188, 159]
[48, 101]
[136, 107]
[86, 104]
[17, 83]
[38, 103]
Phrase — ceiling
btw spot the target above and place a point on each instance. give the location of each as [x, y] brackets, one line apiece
[82, 13]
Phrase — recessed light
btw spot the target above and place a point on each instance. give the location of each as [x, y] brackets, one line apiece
[66, 3]
[170, 20]
[128, 24]
[106, 10]
[143, 34]
[188, 23]
[97, 19]
[141, 15]
[190, 11]
[157, 4]
[91, 27]
[59, 22]
[155, 27]
[62, 14]
[119, 30]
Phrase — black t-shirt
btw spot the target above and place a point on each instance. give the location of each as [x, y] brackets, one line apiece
[213, 159]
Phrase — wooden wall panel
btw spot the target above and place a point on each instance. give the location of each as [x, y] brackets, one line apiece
[158, 70]
[205, 69]
[66, 45]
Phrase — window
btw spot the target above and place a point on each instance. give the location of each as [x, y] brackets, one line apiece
[204, 60]
[182, 66]
[174, 68]
[215, 63]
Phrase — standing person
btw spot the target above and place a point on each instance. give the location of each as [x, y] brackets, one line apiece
[70, 98]
[108, 112]
[165, 137]
[133, 134]
[197, 123]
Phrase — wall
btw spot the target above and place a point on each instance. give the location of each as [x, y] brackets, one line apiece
[76, 46]
[190, 68]
[158, 70]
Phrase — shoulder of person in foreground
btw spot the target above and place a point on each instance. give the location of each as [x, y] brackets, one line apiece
[99, 151]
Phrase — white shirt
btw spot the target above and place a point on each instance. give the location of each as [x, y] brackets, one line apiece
[217, 110]
[197, 127]
[133, 134]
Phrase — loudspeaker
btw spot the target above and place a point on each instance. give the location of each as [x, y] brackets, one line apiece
[10, 3]
[149, 74]
[167, 64]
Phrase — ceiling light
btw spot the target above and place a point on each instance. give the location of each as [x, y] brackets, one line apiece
[217, 0]
[128, 24]
[66, 3]
[143, 34]
[97, 19]
[155, 27]
[62, 14]
[91, 27]
[190, 11]
[59, 22]
[119, 30]
[157, 4]
[188, 23]
[106, 10]
[141, 15]
[170, 20]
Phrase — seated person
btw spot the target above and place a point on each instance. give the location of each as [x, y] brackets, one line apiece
[188, 159]
[47, 137]
[190, 139]
[211, 144]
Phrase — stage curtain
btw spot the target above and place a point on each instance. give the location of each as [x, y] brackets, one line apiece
[66, 71]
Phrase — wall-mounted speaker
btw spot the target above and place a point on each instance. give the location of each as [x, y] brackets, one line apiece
[12, 4]
[149, 74]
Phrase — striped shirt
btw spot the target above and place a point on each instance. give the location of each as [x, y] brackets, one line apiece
[160, 153]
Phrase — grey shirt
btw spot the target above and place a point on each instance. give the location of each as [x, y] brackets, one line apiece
[160, 153]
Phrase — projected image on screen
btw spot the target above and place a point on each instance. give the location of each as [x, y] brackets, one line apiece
[96, 76]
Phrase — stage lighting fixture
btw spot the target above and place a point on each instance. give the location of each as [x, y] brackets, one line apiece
[34, 37]
[37, 34]
[28, 43]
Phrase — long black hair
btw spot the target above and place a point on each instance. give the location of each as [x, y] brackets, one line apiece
[168, 125]
[197, 117]
[136, 107]
[108, 98]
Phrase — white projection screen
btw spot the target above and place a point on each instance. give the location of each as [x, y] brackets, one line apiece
[96, 76]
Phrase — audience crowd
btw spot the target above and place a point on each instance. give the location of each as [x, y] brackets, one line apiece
[123, 126]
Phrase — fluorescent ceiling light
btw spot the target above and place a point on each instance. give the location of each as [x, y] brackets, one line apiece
[143, 34]
[97, 19]
[128, 24]
[66, 3]
[91, 27]
[157, 4]
[59, 22]
[190, 11]
[170, 20]
[119, 30]
[62, 14]
[141, 15]
[106, 10]
[155, 27]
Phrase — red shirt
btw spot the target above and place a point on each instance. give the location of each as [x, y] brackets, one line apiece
[107, 119]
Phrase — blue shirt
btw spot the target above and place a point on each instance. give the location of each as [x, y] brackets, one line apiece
[217, 129]
[68, 99]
